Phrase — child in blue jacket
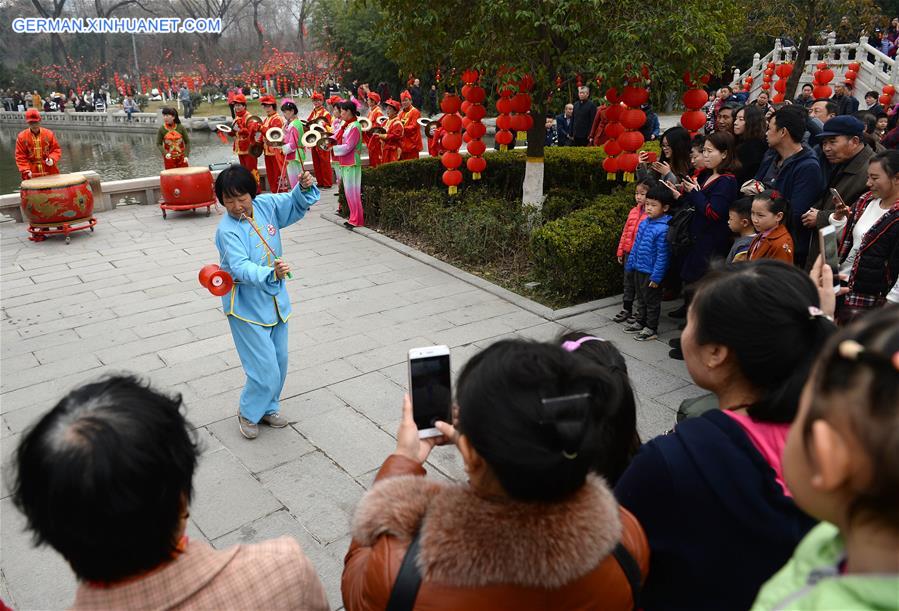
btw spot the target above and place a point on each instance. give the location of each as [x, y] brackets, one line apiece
[258, 306]
[648, 262]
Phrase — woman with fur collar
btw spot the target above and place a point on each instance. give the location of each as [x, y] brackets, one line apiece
[532, 528]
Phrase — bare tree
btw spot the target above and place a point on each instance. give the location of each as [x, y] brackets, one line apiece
[301, 12]
[104, 12]
[56, 47]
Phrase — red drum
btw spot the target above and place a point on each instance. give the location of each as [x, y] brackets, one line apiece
[57, 199]
[186, 189]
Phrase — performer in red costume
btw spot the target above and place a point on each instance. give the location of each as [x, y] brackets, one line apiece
[393, 139]
[321, 160]
[244, 135]
[371, 141]
[37, 151]
[274, 158]
[409, 117]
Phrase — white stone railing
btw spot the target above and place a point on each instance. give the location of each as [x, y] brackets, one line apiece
[876, 69]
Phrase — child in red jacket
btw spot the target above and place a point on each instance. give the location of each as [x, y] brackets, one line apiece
[626, 243]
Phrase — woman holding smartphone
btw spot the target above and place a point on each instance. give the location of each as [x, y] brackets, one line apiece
[532, 528]
[869, 246]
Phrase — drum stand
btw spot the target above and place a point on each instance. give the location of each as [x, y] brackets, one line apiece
[40, 231]
[163, 205]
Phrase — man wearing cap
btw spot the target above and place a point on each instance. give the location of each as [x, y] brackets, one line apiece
[244, 135]
[373, 143]
[321, 160]
[846, 102]
[846, 170]
[409, 117]
[37, 151]
[274, 158]
[392, 139]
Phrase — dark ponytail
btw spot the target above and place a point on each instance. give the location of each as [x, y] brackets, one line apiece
[538, 415]
[766, 313]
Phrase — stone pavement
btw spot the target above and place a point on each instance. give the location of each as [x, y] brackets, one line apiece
[127, 298]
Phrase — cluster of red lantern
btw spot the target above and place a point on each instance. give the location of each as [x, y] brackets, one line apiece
[767, 77]
[624, 120]
[851, 74]
[451, 123]
[747, 84]
[521, 119]
[783, 72]
[474, 110]
[823, 75]
[504, 119]
[886, 96]
[694, 99]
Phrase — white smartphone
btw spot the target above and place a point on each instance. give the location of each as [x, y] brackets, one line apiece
[827, 242]
[429, 386]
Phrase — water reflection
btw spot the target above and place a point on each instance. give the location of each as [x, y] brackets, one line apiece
[113, 155]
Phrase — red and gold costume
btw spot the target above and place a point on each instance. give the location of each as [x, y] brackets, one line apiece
[244, 135]
[371, 140]
[174, 145]
[274, 157]
[435, 144]
[392, 142]
[321, 160]
[409, 117]
[33, 150]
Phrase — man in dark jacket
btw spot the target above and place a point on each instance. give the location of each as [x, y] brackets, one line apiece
[846, 102]
[415, 91]
[846, 171]
[582, 117]
[563, 126]
[793, 169]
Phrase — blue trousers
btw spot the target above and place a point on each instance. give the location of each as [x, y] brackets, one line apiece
[263, 354]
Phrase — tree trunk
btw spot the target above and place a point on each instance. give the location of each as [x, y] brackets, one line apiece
[799, 64]
[532, 187]
[258, 26]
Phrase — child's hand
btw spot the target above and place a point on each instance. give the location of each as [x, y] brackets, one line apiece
[653, 285]
[281, 269]
[620, 260]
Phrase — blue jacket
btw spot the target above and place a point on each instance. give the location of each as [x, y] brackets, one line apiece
[258, 297]
[801, 180]
[651, 253]
[708, 227]
[563, 129]
[717, 521]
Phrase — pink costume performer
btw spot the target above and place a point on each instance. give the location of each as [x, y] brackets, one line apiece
[294, 153]
[348, 154]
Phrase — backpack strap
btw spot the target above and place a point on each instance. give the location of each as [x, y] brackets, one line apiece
[631, 571]
[408, 580]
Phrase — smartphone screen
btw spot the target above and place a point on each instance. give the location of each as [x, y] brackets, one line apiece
[827, 237]
[429, 379]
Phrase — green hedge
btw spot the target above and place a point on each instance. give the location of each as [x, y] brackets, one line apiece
[575, 255]
[577, 170]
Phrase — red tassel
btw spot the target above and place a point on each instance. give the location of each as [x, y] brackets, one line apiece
[222, 136]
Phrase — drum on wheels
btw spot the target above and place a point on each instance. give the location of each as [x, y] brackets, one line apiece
[57, 204]
[186, 189]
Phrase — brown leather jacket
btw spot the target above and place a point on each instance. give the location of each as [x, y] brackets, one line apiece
[478, 553]
[776, 245]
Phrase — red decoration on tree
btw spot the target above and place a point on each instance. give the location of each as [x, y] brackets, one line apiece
[692, 120]
[693, 100]
[475, 112]
[504, 119]
[451, 123]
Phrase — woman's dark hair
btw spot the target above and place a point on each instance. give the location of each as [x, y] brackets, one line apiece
[678, 139]
[623, 441]
[724, 143]
[888, 160]
[105, 477]
[290, 106]
[538, 415]
[697, 142]
[350, 106]
[760, 311]
[234, 181]
[862, 360]
[662, 194]
[172, 112]
[776, 203]
[754, 118]
[647, 181]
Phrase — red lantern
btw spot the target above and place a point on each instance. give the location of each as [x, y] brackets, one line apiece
[889, 89]
[450, 103]
[519, 124]
[627, 163]
[521, 103]
[504, 122]
[824, 76]
[476, 94]
[821, 65]
[612, 95]
[749, 80]
[476, 147]
[692, 120]
[503, 137]
[634, 96]
[630, 141]
[633, 118]
[695, 98]
[780, 85]
[778, 98]
[610, 165]
[885, 99]
[784, 70]
[477, 130]
[451, 160]
[822, 91]
[476, 165]
[452, 179]
[476, 112]
[465, 106]
[855, 66]
[613, 112]
[451, 141]
[611, 148]
[504, 105]
[613, 130]
[770, 65]
[766, 86]
[451, 123]
[851, 75]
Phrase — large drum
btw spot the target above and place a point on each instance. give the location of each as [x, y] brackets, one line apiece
[57, 200]
[186, 189]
